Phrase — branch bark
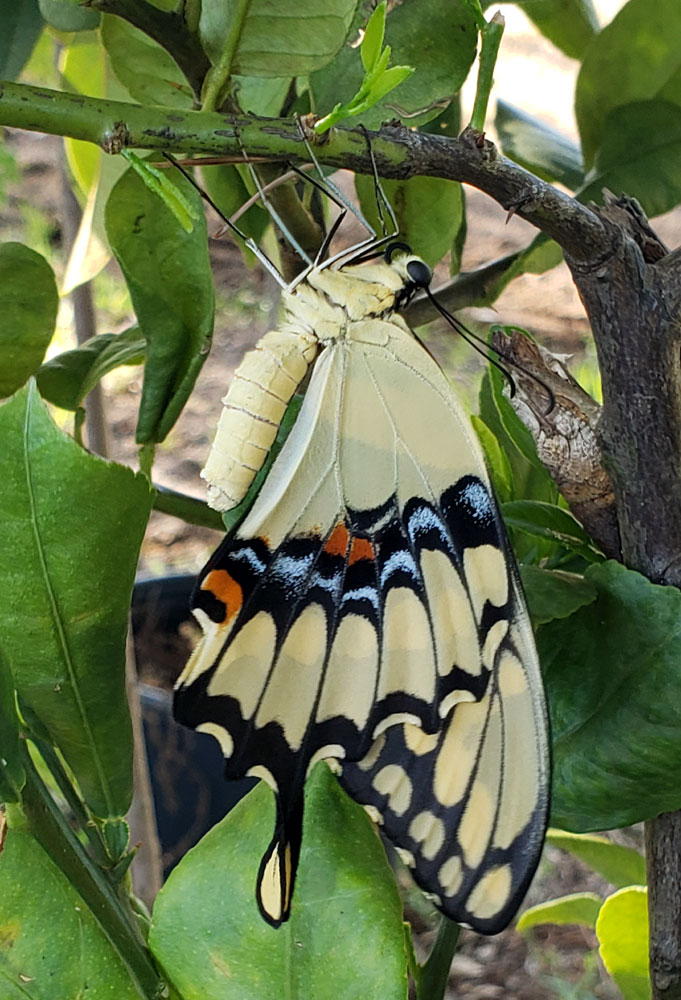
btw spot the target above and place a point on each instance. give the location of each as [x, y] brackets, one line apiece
[399, 153]
[633, 304]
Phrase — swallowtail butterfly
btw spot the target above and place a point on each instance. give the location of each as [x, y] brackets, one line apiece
[368, 609]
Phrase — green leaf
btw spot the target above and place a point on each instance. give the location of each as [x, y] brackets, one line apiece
[147, 71]
[538, 147]
[569, 24]
[612, 673]
[68, 15]
[51, 945]
[346, 920]
[66, 379]
[499, 467]
[554, 594]
[577, 908]
[70, 530]
[12, 776]
[21, 27]
[28, 307]
[440, 39]
[276, 37]
[262, 96]
[429, 211]
[621, 866]
[546, 520]
[530, 480]
[225, 185]
[168, 273]
[372, 43]
[622, 930]
[634, 58]
[387, 81]
[640, 154]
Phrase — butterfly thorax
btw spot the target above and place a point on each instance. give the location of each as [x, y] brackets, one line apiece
[330, 302]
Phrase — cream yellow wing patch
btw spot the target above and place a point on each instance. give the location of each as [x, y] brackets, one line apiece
[474, 825]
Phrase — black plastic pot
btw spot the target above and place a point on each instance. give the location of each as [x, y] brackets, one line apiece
[190, 791]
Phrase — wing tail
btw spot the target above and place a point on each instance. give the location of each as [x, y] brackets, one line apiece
[279, 865]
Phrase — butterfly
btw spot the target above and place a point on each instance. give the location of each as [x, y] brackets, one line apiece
[367, 610]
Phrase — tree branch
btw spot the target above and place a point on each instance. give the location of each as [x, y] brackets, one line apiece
[399, 153]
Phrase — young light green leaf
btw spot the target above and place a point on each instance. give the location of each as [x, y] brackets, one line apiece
[438, 38]
[375, 85]
[12, 775]
[42, 928]
[578, 908]
[388, 81]
[619, 865]
[70, 530]
[372, 43]
[28, 306]
[622, 930]
[234, 955]
[160, 183]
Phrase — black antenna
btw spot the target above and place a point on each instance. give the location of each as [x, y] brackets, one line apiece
[248, 241]
[483, 348]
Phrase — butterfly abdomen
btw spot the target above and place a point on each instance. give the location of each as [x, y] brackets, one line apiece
[255, 403]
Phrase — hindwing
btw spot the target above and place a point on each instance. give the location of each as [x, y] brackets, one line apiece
[367, 610]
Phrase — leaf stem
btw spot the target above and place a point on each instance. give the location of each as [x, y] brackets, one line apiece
[435, 969]
[113, 914]
[75, 803]
[217, 78]
[187, 508]
[491, 40]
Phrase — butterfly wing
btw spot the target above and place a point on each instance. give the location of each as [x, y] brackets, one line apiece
[368, 591]
[467, 807]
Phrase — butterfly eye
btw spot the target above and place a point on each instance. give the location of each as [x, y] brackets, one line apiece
[419, 273]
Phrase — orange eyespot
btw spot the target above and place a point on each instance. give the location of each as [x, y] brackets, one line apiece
[225, 588]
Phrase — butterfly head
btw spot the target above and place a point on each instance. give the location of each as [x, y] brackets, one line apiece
[413, 271]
